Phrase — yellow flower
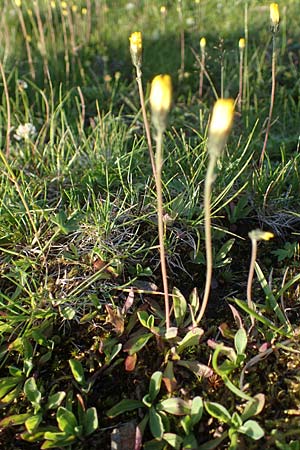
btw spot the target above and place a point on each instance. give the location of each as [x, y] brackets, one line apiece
[136, 48]
[163, 10]
[203, 43]
[18, 3]
[52, 3]
[274, 14]
[222, 118]
[160, 100]
[84, 11]
[64, 5]
[259, 235]
[74, 8]
[242, 43]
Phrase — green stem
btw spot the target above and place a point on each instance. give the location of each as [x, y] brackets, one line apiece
[240, 99]
[250, 277]
[271, 101]
[159, 163]
[207, 225]
[146, 123]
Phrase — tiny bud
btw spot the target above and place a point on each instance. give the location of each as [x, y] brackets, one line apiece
[242, 43]
[160, 100]
[202, 43]
[274, 16]
[136, 48]
[259, 235]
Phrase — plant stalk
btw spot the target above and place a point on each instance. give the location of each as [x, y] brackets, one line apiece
[261, 160]
[209, 179]
[159, 163]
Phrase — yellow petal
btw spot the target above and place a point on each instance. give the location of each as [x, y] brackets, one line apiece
[161, 94]
[222, 118]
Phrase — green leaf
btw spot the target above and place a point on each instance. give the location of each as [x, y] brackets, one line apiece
[156, 424]
[154, 385]
[11, 396]
[67, 312]
[139, 343]
[240, 341]
[54, 401]
[17, 419]
[175, 406]
[7, 384]
[236, 420]
[190, 442]
[253, 406]
[173, 440]
[33, 422]
[143, 317]
[90, 421]
[31, 391]
[270, 298]
[191, 338]
[124, 406]
[179, 304]
[32, 437]
[252, 429]
[218, 411]
[66, 420]
[56, 440]
[77, 371]
[196, 410]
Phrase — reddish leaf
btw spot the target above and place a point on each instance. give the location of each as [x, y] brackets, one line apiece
[130, 362]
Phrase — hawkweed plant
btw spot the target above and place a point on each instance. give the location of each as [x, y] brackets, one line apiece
[202, 65]
[160, 102]
[219, 129]
[255, 236]
[274, 17]
[136, 51]
[242, 45]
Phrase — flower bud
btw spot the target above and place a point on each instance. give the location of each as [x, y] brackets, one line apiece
[202, 43]
[242, 43]
[136, 48]
[160, 100]
[220, 125]
[274, 16]
[259, 235]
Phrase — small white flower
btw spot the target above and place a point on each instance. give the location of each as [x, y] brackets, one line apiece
[26, 132]
[22, 84]
[129, 6]
[190, 21]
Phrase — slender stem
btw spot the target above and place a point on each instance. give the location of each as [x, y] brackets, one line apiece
[28, 51]
[241, 80]
[8, 125]
[202, 68]
[159, 162]
[250, 276]
[245, 100]
[271, 101]
[207, 225]
[146, 123]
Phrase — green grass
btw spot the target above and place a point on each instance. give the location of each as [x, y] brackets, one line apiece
[79, 260]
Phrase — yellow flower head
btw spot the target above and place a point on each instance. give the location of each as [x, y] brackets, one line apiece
[222, 117]
[18, 3]
[136, 48]
[242, 43]
[202, 43]
[160, 100]
[84, 11]
[274, 15]
[163, 10]
[259, 235]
